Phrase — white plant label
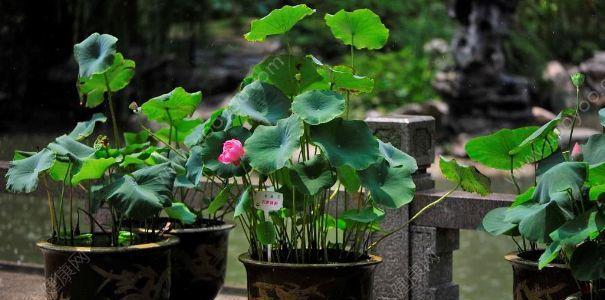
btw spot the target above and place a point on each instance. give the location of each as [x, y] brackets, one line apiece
[268, 201]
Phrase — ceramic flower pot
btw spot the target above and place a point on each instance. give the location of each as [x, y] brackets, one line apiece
[578, 296]
[199, 262]
[132, 272]
[352, 280]
[552, 282]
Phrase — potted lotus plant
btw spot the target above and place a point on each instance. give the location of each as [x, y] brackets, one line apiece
[556, 223]
[204, 189]
[99, 262]
[316, 184]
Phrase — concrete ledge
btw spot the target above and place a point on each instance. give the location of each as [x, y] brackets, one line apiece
[461, 210]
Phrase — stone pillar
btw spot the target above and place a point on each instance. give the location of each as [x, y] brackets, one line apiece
[415, 136]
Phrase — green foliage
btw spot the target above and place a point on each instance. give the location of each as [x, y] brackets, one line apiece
[318, 107]
[469, 178]
[270, 147]
[346, 142]
[361, 28]
[291, 74]
[213, 147]
[390, 187]
[22, 177]
[397, 158]
[278, 21]
[93, 89]
[95, 54]
[494, 222]
[313, 175]
[261, 102]
[180, 211]
[86, 128]
[172, 107]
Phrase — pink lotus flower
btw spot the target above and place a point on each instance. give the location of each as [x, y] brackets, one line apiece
[576, 152]
[232, 152]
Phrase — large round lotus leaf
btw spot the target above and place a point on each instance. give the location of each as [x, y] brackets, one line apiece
[391, 187]
[566, 176]
[213, 147]
[397, 158]
[540, 220]
[494, 223]
[291, 74]
[318, 107]
[313, 175]
[495, 150]
[594, 150]
[95, 54]
[24, 172]
[270, 147]
[361, 28]
[346, 142]
[172, 107]
[92, 90]
[278, 21]
[262, 102]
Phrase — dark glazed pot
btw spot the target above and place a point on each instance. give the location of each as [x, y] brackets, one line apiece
[578, 296]
[344, 281]
[199, 262]
[133, 272]
[552, 282]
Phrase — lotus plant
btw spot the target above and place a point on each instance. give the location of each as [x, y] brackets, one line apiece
[315, 184]
[562, 212]
[82, 164]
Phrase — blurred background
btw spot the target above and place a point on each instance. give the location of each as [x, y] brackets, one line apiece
[474, 65]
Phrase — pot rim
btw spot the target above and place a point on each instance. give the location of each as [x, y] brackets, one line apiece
[372, 261]
[168, 241]
[222, 227]
[514, 258]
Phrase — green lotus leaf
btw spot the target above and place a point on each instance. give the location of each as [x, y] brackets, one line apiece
[593, 151]
[180, 211]
[243, 203]
[261, 102]
[86, 128]
[346, 142]
[92, 90]
[342, 79]
[361, 28]
[468, 177]
[550, 253]
[58, 172]
[397, 158]
[366, 215]
[602, 116]
[214, 123]
[219, 200]
[544, 132]
[546, 164]
[585, 226]
[22, 176]
[588, 261]
[265, 233]
[291, 74]
[172, 107]
[311, 176]
[91, 168]
[180, 130]
[195, 166]
[212, 148]
[494, 150]
[495, 224]
[293, 199]
[390, 187]
[524, 197]
[348, 177]
[331, 222]
[597, 193]
[541, 220]
[559, 181]
[143, 193]
[67, 146]
[278, 21]
[318, 107]
[131, 138]
[270, 147]
[95, 54]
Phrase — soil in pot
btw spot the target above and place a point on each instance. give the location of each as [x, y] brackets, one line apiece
[140, 271]
[199, 262]
[552, 282]
[342, 280]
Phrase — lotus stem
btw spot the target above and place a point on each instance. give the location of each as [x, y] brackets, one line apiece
[114, 122]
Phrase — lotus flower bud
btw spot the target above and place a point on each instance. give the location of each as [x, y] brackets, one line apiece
[576, 152]
[134, 107]
[577, 79]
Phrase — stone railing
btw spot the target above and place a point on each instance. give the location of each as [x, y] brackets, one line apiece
[417, 261]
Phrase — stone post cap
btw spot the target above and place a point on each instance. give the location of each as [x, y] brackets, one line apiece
[413, 135]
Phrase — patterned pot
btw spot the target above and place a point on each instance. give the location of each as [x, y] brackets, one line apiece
[345, 281]
[552, 282]
[199, 262]
[132, 272]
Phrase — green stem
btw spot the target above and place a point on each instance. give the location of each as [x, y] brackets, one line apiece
[512, 176]
[116, 134]
[575, 117]
[418, 214]
[160, 140]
